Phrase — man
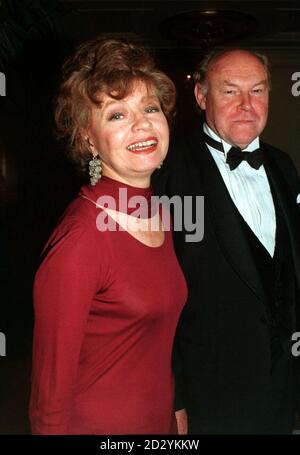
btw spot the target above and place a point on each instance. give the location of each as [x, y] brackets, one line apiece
[233, 362]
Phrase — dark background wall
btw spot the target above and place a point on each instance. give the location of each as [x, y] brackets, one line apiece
[36, 179]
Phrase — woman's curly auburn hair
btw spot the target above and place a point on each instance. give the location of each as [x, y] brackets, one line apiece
[109, 66]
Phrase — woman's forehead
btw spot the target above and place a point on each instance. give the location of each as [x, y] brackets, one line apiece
[136, 89]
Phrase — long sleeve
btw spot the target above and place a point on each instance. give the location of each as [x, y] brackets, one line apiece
[64, 287]
[102, 330]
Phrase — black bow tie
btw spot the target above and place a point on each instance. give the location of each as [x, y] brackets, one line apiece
[235, 155]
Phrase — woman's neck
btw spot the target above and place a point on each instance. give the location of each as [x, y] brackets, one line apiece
[137, 182]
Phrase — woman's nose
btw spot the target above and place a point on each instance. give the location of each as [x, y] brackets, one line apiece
[141, 121]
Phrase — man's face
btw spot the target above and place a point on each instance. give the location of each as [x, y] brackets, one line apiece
[236, 97]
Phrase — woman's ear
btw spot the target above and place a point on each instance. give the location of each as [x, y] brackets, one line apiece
[86, 137]
[89, 143]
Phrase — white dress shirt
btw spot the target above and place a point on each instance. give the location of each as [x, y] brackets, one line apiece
[250, 191]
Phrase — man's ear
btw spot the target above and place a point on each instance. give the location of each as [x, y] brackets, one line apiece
[200, 96]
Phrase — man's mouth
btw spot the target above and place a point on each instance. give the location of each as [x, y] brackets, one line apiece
[243, 121]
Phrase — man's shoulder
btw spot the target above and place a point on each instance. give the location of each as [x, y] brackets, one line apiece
[279, 156]
[183, 147]
[189, 138]
[285, 167]
[181, 164]
[271, 148]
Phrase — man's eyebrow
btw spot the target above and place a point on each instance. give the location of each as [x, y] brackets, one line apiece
[232, 84]
[262, 82]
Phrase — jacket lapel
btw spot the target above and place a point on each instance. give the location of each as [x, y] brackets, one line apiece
[288, 206]
[224, 217]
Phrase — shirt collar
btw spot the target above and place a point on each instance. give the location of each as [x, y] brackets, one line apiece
[252, 146]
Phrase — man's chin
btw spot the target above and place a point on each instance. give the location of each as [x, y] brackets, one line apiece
[243, 141]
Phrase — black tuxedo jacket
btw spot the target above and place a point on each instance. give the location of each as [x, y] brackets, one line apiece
[222, 358]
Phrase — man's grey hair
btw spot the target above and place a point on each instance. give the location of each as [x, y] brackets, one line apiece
[200, 73]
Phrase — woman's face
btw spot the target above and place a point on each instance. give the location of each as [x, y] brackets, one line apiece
[131, 135]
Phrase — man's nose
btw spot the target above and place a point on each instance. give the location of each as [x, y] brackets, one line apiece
[245, 102]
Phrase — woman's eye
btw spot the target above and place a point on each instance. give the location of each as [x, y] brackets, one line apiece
[116, 116]
[151, 109]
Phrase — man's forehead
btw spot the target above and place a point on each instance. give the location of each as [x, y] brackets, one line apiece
[238, 72]
[236, 61]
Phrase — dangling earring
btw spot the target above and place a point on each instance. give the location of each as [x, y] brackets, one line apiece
[160, 165]
[95, 169]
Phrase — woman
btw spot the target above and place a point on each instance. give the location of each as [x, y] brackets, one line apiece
[106, 303]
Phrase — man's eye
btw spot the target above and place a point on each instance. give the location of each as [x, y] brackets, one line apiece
[151, 109]
[116, 116]
[258, 90]
[229, 92]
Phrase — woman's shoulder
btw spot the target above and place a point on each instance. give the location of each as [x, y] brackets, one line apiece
[78, 223]
[81, 211]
